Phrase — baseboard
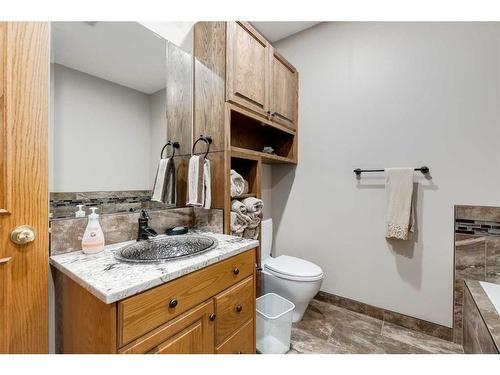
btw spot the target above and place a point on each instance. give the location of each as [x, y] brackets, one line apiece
[433, 329]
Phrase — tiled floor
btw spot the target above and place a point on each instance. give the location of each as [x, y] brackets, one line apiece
[327, 328]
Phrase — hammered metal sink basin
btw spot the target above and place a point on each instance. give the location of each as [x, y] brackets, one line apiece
[166, 248]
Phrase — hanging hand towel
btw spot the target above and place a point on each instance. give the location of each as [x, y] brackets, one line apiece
[399, 192]
[164, 185]
[238, 184]
[199, 182]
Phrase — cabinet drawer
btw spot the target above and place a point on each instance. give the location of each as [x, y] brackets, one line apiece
[240, 342]
[233, 308]
[142, 313]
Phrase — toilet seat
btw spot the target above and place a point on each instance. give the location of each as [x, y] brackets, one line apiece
[292, 268]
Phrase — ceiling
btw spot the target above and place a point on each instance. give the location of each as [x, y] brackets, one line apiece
[125, 53]
[275, 30]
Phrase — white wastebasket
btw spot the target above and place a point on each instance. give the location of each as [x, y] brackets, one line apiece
[274, 324]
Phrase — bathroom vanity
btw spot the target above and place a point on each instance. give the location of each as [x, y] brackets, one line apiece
[201, 304]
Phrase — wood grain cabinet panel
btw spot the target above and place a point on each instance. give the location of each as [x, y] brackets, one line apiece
[233, 308]
[239, 342]
[284, 91]
[247, 64]
[190, 333]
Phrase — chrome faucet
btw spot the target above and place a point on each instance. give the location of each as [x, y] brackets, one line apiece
[145, 232]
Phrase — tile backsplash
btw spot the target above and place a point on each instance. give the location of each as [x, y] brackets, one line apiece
[477, 252]
[66, 234]
[63, 205]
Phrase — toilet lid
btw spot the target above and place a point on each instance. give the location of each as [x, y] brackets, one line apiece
[292, 267]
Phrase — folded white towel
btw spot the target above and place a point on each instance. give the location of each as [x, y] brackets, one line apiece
[199, 192]
[399, 210]
[238, 184]
[164, 186]
[253, 205]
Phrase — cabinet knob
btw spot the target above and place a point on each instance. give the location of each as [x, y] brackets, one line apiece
[172, 303]
[239, 352]
[212, 317]
[239, 308]
[236, 271]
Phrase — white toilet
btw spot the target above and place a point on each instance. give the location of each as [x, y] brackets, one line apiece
[295, 279]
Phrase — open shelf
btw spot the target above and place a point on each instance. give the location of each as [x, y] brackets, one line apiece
[266, 158]
[249, 135]
[249, 170]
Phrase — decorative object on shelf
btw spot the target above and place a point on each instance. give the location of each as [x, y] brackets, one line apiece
[268, 150]
[239, 186]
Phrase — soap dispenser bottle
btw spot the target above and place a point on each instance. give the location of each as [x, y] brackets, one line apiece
[80, 212]
[93, 238]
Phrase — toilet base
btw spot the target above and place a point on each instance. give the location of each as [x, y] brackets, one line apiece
[300, 293]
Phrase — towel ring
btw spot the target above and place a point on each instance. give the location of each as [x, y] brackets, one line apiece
[205, 138]
[174, 146]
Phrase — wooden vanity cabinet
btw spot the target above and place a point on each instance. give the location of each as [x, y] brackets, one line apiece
[211, 310]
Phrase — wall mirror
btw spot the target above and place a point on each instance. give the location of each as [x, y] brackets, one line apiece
[115, 91]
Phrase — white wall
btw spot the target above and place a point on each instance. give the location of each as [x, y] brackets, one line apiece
[388, 95]
[101, 134]
[179, 33]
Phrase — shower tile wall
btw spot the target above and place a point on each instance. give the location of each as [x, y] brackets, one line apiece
[477, 253]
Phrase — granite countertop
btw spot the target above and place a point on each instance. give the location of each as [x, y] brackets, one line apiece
[111, 280]
[487, 310]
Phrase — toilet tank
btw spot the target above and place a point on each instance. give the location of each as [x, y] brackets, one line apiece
[266, 244]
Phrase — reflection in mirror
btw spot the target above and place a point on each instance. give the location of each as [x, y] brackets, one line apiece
[109, 95]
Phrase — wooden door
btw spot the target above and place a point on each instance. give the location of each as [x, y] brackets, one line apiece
[24, 87]
[284, 91]
[247, 64]
[190, 333]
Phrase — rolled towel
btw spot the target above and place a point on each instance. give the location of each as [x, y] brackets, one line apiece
[253, 205]
[253, 220]
[238, 184]
[199, 182]
[238, 206]
[252, 233]
[238, 225]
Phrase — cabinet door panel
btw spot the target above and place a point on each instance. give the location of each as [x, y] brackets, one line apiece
[234, 307]
[240, 342]
[190, 333]
[247, 67]
[284, 90]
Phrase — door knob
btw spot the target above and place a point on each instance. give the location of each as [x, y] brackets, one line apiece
[23, 234]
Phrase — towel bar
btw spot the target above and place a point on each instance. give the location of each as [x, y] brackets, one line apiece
[358, 171]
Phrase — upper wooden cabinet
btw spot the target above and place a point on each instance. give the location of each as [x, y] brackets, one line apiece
[258, 77]
[284, 91]
[247, 76]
